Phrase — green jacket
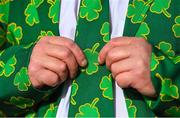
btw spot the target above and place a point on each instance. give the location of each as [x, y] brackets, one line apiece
[24, 22]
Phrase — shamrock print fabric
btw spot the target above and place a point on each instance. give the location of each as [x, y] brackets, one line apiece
[24, 22]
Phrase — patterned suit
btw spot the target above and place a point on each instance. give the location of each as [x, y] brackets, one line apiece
[23, 23]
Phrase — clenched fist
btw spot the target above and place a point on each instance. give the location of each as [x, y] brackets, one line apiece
[53, 60]
[129, 61]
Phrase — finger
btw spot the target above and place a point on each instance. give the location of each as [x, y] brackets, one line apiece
[121, 41]
[124, 79]
[122, 66]
[77, 52]
[47, 77]
[117, 54]
[65, 55]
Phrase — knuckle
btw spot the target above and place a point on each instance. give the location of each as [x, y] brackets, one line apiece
[62, 67]
[66, 53]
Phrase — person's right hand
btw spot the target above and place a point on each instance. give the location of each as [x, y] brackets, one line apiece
[53, 60]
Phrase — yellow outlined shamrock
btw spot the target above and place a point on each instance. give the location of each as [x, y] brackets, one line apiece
[53, 10]
[88, 110]
[44, 33]
[14, 33]
[132, 110]
[169, 91]
[176, 27]
[90, 10]
[106, 87]
[51, 112]
[74, 92]
[161, 6]
[31, 12]
[21, 80]
[143, 31]
[31, 114]
[173, 111]
[8, 68]
[21, 102]
[4, 11]
[105, 29]
[134, 10]
[92, 57]
[155, 61]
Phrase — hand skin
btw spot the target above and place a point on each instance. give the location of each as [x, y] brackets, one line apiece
[53, 60]
[128, 58]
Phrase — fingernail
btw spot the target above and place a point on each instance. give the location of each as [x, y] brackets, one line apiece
[84, 62]
[99, 60]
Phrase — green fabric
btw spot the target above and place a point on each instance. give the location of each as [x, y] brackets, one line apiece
[92, 90]
[24, 22]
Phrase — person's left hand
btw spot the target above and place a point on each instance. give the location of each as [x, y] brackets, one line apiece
[128, 58]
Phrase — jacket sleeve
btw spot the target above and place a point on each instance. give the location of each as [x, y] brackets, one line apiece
[17, 94]
[165, 74]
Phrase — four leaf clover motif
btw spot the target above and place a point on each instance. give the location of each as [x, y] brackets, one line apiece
[14, 33]
[155, 61]
[161, 6]
[169, 91]
[22, 102]
[105, 31]
[51, 111]
[44, 33]
[53, 13]
[90, 9]
[143, 31]
[88, 109]
[8, 68]
[106, 87]
[4, 5]
[166, 48]
[134, 13]
[92, 57]
[173, 111]
[31, 12]
[132, 110]
[74, 92]
[21, 80]
[176, 27]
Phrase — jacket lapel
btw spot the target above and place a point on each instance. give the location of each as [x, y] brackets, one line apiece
[137, 12]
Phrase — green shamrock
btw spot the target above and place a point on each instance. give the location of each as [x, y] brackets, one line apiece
[176, 59]
[44, 33]
[106, 87]
[90, 10]
[31, 114]
[2, 114]
[92, 57]
[161, 6]
[31, 12]
[51, 112]
[169, 91]
[4, 11]
[155, 61]
[53, 10]
[2, 36]
[176, 27]
[74, 92]
[22, 102]
[134, 13]
[21, 80]
[105, 31]
[8, 68]
[143, 31]
[174, 111]
[166, 48]
[132, 110]
[14, 33]
[88, 110]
